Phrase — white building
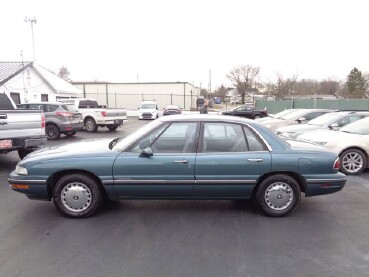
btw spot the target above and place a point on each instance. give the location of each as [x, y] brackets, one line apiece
[130, 95]
[29, 82]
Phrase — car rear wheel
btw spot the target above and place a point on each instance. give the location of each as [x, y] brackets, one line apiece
[257, 116]
[353, 162]
[90, 125]
[278, 195]
[52, 132]
[112, 127]
[77, 195]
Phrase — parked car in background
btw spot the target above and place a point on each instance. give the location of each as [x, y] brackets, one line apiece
[175, 157]
[95, 115]
[328, 121]
[350, 142]
[20, 130]
[297, 117]
[59, 118]
[277, 115]
[172, 109]
[247, 111]
[148, 110]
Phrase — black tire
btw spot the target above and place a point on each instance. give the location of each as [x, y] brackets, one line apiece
[353, 161]
[52, 132]
[112, 127]
[24, 152]
[277, 190]
[77, 195]
[71, 134]
[257, 116]
[90, 125]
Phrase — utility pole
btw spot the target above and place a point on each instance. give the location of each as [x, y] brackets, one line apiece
[32, 21]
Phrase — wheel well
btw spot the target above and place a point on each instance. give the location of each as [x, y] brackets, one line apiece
[89, 117]
[300, 180]
[53, 179]
[51, 123]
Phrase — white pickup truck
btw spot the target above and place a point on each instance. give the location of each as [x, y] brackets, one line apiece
[95, 115]
[21, 130]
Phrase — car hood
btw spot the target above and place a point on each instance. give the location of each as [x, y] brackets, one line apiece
[147, 110]
[303, 145]
[77, 149]
[298, 128]
[324, 136]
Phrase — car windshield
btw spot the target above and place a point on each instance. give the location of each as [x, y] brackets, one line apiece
[282, 113]
[360, 127]
[128, 140]
[294, 115]
[148, 106]
[324, 119]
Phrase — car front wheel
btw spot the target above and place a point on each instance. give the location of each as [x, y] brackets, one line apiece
[278, 195]
[353, 162]
[77, 195]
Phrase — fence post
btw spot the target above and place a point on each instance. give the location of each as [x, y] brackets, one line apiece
[171, 98]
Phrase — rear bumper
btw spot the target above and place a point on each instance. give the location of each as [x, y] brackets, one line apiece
[111, 122]
[325, 186]
[71, 127]
[25, 143]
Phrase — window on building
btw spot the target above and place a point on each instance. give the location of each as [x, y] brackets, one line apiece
[44, 98]
[15, 97]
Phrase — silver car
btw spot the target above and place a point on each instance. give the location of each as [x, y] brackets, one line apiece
[60, 118]
[351, 143]
[328, 121]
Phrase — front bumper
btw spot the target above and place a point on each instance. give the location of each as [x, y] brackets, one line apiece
[35, 188]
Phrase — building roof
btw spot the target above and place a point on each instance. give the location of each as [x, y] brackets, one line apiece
[10, 69]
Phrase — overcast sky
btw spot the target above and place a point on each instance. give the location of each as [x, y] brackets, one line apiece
[169, 41]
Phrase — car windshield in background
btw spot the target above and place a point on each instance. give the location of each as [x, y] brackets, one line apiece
[294, 115]
[70, 107]
[360, 127]
[281, 114]
[148, 106]
[325, 119]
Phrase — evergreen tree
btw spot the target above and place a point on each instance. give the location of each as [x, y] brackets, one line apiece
[356, 83]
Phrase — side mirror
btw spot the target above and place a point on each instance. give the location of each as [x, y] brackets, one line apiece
[334, 126]
[301, 120]
[147, 152]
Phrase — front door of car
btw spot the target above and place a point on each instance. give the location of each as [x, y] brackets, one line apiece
[231, 159]
[159, 165]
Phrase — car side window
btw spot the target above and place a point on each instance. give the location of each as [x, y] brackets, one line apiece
[313, 115]
[50, 108]
[147, 140]
[36, 107]
[253, 141]
[179, 137]
[220, 137]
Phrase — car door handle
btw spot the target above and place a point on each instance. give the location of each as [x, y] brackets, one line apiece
[180, 162]
[255, 160]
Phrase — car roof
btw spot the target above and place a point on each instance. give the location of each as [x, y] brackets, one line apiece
[148, 102]
[207, 117]
[45, 103]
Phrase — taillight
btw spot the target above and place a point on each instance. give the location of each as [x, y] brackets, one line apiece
[42, 121]
[337, 164]
[64, 114]
[103, 113]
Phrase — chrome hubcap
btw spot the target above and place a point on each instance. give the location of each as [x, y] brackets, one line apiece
[76, 197]
[352, 162]
[279, 196]
[89, 125]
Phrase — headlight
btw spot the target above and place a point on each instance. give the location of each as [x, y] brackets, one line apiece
[322, 143]
[288, 134]
[21, 170]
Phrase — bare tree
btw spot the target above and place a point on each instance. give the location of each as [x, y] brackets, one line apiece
[221, 92]
[64, 73]
[329, 87]
[243, 78]
[282, 88]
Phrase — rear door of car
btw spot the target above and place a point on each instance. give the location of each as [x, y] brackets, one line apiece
[168, 172]
[230, 160]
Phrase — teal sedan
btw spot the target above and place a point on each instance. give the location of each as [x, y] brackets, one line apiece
[181, 157]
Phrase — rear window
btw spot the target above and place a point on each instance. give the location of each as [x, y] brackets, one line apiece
[88, 103]
[70, 107]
